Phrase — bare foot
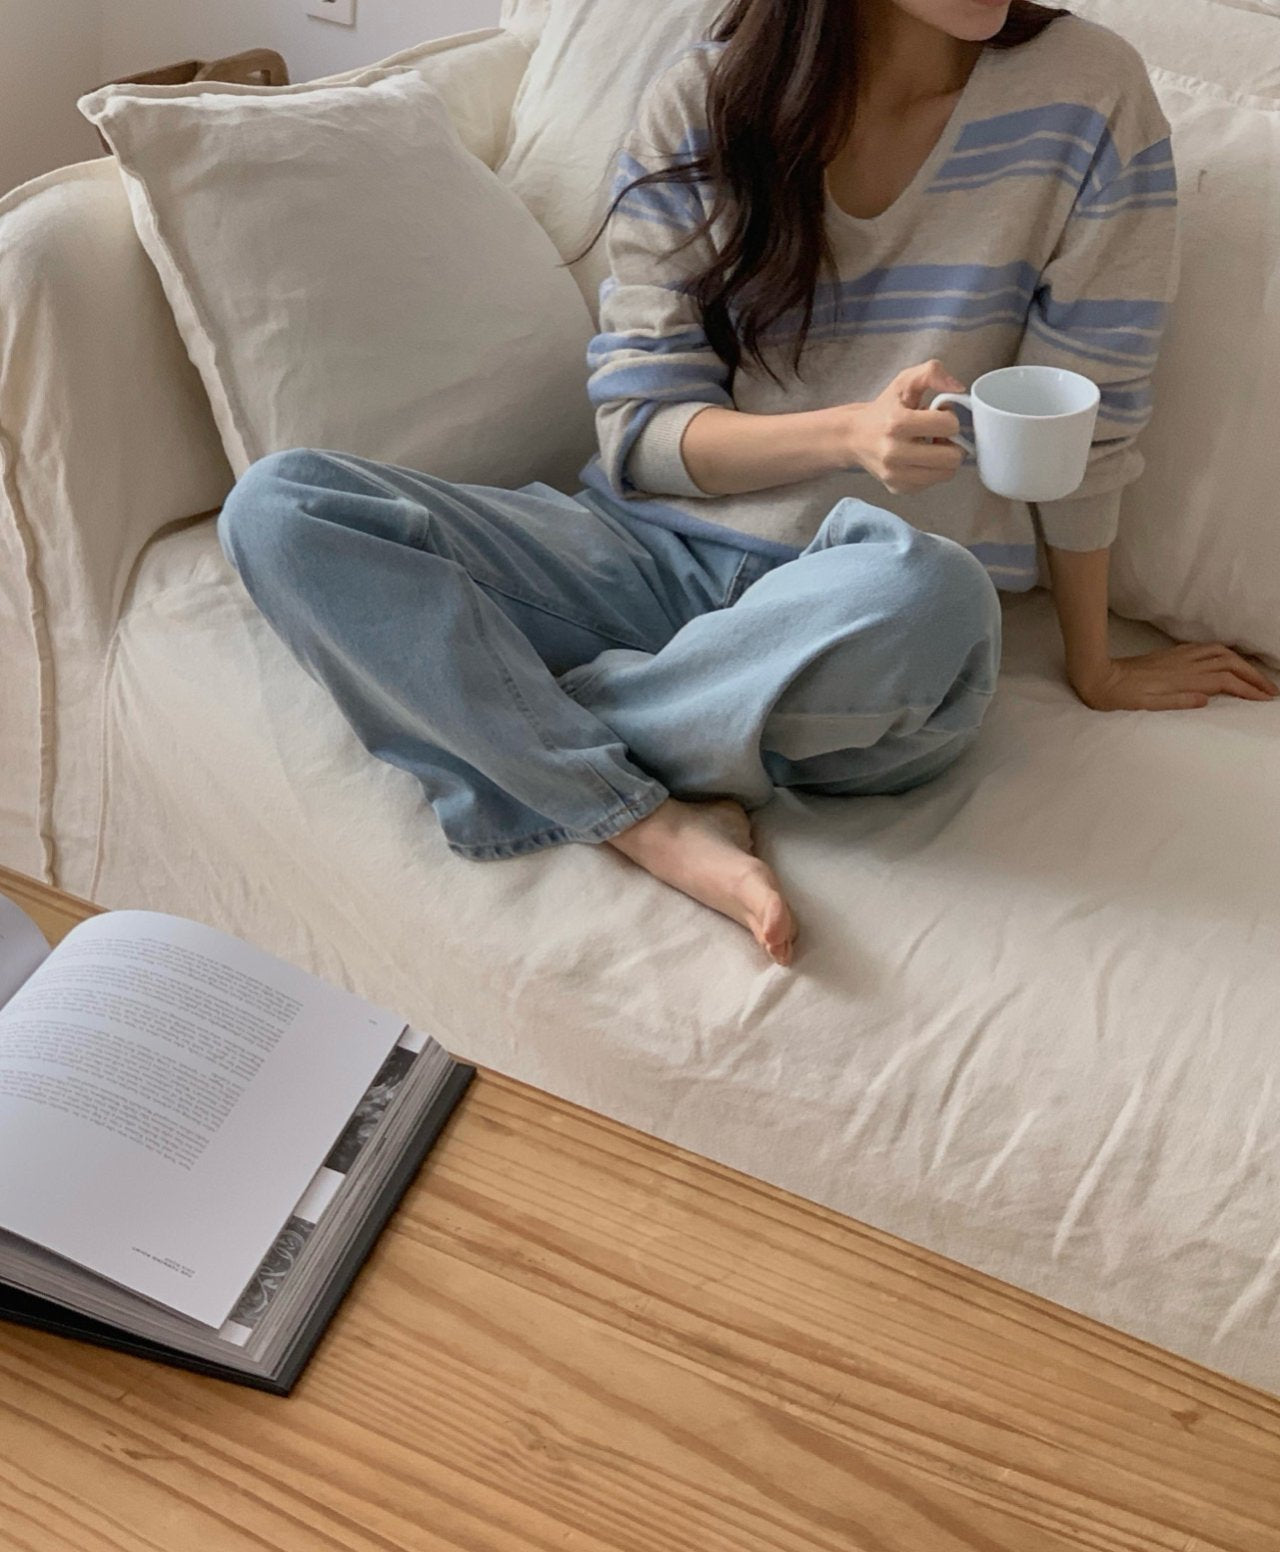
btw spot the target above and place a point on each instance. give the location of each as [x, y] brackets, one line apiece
[705, 851]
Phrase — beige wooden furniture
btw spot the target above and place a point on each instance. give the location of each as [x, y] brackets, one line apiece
[572, 1336]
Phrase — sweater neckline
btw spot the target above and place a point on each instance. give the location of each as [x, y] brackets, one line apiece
[942, 150]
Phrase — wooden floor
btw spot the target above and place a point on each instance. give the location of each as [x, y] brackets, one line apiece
[575, 1338]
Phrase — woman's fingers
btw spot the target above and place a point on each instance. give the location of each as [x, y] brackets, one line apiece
[931, 455]
[1246, 670]
[929, 423]
[1226, 682]
[1219, 654]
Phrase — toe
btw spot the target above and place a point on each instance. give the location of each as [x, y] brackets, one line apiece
[776, 932]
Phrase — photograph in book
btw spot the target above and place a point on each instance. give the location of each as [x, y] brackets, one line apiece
[198, 1142]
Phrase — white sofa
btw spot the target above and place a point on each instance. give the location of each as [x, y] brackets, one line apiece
[1032, 1025]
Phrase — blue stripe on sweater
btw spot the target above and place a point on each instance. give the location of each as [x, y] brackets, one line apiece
[1068, 346]
[669, 382]
[1067, 141]
[1042, 147]
[1098, 313]
[1150, 172]
[1075, 120]
[932, 279]
[1163, 202]
[1051, 170]
[900, 298]
[605, 346]
[1125, 401]
[673, 205]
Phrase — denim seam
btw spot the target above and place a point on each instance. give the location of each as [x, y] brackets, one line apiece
[529, 603]
[514, 691]
[635, 809]
[732, 594]
[846, 716]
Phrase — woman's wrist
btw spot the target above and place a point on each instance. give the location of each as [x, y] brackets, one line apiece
[1080, 596]
[839, 436]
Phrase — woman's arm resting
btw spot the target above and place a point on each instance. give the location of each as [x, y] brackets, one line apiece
[729, 453]
[1169, 679]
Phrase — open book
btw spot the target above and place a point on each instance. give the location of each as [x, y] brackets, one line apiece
[199, 1144]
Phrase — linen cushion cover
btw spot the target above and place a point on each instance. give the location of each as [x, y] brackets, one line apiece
[576, 105]
[345, 274]
[1212, 40]
[477, 75]
[1198, 552]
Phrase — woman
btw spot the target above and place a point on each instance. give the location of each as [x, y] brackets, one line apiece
[820, 198]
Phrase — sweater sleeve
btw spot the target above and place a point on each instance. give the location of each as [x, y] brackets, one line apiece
[652, 367]
[1099, 309]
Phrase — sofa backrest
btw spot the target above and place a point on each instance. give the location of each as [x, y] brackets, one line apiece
[526, 18]
[1199, 549]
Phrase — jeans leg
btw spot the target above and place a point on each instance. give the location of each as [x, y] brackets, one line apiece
[864, 665]
[401, 595]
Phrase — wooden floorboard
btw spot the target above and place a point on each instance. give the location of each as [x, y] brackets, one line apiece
[576, 1337]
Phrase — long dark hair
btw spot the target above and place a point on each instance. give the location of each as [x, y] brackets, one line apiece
[779, 105]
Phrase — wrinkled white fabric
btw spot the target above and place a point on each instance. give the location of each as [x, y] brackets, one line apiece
[379, 291]
[1195, 37]
[1031, 1025]
[1198, 551]
[106, 436]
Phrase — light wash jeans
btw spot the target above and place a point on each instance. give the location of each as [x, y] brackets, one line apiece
[551, 668]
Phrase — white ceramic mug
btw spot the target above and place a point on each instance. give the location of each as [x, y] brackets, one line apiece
[1033, 426]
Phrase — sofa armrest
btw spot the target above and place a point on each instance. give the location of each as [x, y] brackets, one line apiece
[105, 437]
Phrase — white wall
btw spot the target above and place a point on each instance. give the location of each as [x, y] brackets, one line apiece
[50, 54]
[141, 34]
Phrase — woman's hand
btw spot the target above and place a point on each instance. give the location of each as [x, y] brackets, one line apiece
[1170, 679]
[893, 438]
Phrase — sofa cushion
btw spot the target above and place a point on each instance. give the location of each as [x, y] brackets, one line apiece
[1031, 1024]
[576, 105]
[1213, 40]
[1198, 550]
[525, 18]
[477, 75]
[345, 274]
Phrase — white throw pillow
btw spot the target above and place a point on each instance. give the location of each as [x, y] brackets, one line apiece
[1212, 40]
[1263, 7]
[345, 274]
[577, 104]
[477, 75]
[1198, 552]
[525, 18]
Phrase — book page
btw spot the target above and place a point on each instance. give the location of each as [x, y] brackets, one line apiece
[167, 1093]
[22, 947]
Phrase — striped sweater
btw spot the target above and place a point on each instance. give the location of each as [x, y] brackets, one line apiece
[1042, 228]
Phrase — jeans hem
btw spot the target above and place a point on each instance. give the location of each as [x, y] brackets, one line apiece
[632, 811]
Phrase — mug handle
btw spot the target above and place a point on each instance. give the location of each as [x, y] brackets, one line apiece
[957, 398]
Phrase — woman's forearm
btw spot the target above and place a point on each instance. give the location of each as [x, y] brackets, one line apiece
[729, 453]
[1080, 598]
